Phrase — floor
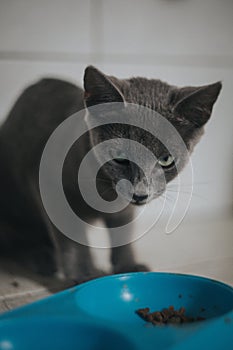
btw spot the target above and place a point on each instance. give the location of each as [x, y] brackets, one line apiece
[200, 248]
[19, 287]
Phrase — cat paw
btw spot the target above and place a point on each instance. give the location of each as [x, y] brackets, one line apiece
[131, 268]
[85, 277]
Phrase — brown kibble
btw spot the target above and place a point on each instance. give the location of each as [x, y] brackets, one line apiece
[166, 316]
[157, 316]
[175, 320]
[143, 312]
[15, 284]
[149, 318]
[182, 310]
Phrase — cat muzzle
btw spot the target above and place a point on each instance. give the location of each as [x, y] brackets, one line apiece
[139, 199]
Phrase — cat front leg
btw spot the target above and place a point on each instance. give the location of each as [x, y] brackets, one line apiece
[123, 260]
[73, 260]
[122, 256]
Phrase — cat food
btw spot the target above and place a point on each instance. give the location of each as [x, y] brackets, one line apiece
[15, 284]
[166, 316]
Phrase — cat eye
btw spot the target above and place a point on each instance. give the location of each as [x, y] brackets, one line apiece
[166, 161]
[120, 157]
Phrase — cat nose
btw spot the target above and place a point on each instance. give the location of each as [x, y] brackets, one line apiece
[139, 198]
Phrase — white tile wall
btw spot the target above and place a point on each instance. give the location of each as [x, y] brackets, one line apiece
[47, 26]
[168, 27]
[16, 75]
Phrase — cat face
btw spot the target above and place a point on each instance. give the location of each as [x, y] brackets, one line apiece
[186, 109]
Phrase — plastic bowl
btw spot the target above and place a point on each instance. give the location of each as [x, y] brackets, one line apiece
[100, 315]
[59, 333]
[116, 298]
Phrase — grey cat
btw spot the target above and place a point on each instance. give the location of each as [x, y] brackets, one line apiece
[25, 229]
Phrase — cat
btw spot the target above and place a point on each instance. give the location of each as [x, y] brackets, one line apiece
[25, 228]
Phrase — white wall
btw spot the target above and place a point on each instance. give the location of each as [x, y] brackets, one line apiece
[180, 41]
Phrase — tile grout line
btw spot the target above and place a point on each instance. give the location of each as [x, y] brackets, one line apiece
[21, 294]
[218, 61]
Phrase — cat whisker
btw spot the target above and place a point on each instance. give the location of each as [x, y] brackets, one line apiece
[168, 200]
[165, 196]
[175, 184]
[186, 192]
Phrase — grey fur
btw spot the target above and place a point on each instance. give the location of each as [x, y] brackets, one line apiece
[25, 228]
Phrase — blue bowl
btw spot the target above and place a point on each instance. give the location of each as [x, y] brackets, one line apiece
[58, 334]
[100, 314]
[116, 298]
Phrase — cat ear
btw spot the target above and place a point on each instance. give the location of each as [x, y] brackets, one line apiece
[196, 103]
[99, 89]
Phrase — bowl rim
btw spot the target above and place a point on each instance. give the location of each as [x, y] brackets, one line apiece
[128, 275]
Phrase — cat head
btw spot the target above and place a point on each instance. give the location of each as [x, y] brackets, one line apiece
[187, 109]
